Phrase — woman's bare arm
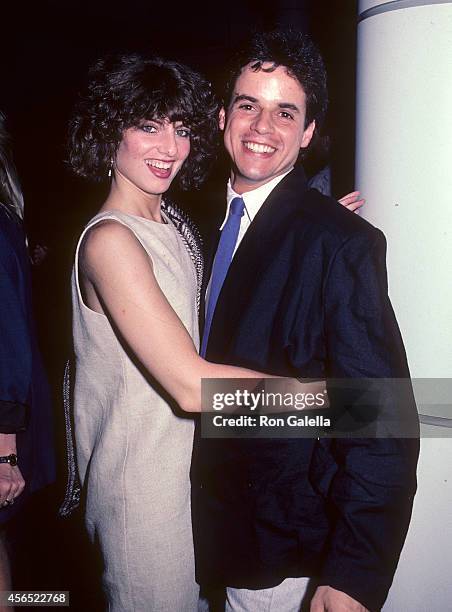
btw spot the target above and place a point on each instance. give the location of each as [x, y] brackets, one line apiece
[120, 271]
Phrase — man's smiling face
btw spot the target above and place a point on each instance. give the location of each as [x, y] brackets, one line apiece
[265, 126]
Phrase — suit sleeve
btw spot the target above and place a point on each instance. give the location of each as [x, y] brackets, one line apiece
[374, 482]
[15, 352]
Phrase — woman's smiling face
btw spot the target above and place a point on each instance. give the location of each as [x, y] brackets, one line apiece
[151, 154]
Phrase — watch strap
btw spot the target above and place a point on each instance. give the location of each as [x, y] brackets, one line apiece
[11, 459]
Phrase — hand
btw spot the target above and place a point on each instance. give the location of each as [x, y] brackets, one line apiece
[327, 599]
[11, 484]
[352, 201]
[11, 480]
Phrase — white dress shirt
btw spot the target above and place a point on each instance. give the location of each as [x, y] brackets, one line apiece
[253, 201]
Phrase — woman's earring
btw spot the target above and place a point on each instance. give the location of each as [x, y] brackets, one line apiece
[110, 168]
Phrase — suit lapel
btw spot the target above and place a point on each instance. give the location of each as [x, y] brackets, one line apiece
[256, 251]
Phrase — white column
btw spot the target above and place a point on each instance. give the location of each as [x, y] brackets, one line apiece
[404, 170]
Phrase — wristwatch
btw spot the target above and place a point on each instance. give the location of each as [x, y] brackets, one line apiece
[11, 459]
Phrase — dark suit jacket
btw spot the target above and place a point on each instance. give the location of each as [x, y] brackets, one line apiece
[25, 403]
[306, 295]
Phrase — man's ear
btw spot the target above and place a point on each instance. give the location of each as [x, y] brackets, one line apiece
[307, 135]
[222, 118]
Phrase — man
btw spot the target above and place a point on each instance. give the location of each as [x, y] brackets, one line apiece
[305, 295]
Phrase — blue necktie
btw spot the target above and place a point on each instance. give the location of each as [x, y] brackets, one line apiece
[222, 262]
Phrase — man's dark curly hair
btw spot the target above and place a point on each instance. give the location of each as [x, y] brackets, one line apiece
[297, 53]
[124, 90]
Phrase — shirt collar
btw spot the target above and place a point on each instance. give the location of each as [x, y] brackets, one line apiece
[253, 199]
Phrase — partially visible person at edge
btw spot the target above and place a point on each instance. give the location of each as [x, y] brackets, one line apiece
[135, 288]
[316, 522]
[27, 460]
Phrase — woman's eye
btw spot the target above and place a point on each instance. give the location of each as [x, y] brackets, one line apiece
[183, 132]
[149, 128]
[246, 107]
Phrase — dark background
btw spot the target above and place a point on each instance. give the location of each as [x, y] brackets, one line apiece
[47, 46]
[45, 50]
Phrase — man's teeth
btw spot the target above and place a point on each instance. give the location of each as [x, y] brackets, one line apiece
[259, 148]
[158, 164]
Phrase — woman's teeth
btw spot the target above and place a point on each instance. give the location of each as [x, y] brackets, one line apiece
[158, 164]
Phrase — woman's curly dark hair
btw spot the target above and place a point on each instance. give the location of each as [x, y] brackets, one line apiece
[124, 90]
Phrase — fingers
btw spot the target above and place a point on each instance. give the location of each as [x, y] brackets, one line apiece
[317, 606]
[19, 483]
[5, 483]
[355, 206]
[5, 499]
[12, 484]
[318, 601]
[352, 201]
[328, 599]
[349, 197]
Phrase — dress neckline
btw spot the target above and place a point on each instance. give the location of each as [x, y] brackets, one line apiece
[167, 221]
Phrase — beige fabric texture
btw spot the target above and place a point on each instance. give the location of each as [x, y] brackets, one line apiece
[133, 448]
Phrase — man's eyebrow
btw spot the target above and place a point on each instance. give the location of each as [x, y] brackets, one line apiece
[289, 106]
[285, 105]
[239, 98]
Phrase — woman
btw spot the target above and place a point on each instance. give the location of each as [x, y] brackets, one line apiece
[26, 443]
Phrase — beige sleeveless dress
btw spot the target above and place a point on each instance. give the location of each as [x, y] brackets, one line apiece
[133, 448]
